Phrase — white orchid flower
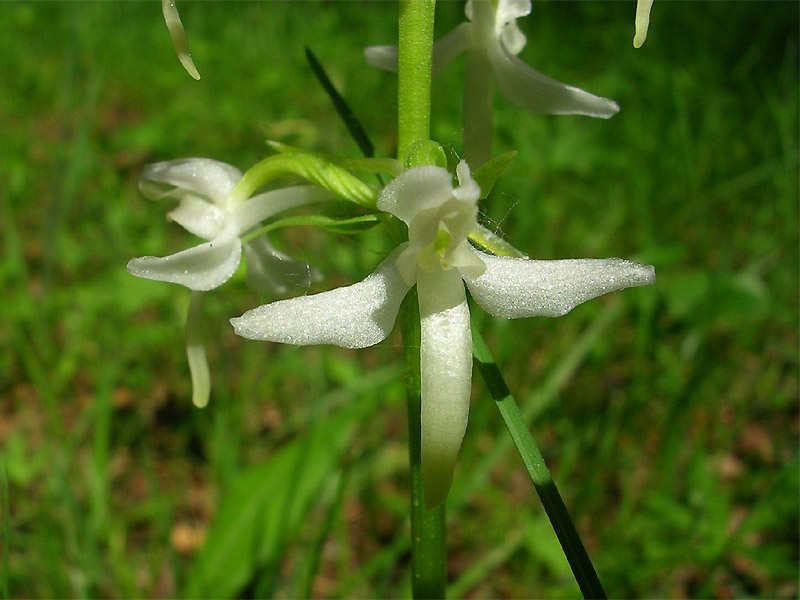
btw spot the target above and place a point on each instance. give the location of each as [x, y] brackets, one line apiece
[209, 208]
[439, 260]
[492, 41]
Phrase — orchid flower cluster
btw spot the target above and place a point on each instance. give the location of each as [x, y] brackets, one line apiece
[218, 203]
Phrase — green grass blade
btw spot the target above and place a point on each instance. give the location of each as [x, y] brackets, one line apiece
[571, 543]
[351, 122]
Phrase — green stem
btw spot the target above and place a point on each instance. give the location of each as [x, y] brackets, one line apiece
[428, 559]
[415, 59]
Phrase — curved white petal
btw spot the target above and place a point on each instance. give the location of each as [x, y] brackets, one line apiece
[201, 268]
[197, 216]
[446, 375]
[204, 177]
[416, 190]
[382, 57]
[512, 38]
[508, 10]
[444, 51]
[178, 35]
[263, 206]
[516, 287]
[642, 22]
[529, 89]
[356, 316]
[196, 351]
[450, 46]
[271, 271]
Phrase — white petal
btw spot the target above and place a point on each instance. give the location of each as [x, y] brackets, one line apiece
[642, 21]
[178, 36]
[516, 287]
[508, 10]
[202, 176]
[416, 190]
[263, 206]
[529, 89]
[382, 57]
[201, 268]
[444, 51]
[450, 46]
[446, 375]
[513, 39]
[199, 217]
[356, 316]
[271, 271]
[196, 351]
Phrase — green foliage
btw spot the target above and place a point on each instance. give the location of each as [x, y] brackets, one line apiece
[668, 415]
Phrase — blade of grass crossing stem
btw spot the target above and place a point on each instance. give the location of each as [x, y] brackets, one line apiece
[574, 550]
[351, 122]
[428, 560]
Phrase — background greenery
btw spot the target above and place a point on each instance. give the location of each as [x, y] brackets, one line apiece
[669, 414]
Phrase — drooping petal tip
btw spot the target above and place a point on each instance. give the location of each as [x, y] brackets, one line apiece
[642, 22]
[178, 35]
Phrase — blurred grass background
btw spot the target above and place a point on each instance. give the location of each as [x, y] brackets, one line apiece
[668, 414]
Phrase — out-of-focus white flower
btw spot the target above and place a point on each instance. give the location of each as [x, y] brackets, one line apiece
[208, 208]
[492, 41]
[642, 21]
[440, 261]
[178, 35]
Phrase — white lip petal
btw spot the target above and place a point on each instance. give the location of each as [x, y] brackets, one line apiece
[202, 176]
[445, 376]
[271, 271]
[197, 216]
[515, 287]
[196, 351]
[527, 88]
[200, 268]
[356, 316]
[263, 206]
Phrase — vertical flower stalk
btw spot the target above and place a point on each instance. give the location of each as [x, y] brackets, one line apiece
[415, 63]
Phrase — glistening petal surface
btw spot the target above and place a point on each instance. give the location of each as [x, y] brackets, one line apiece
[200, 268]
[516, 287]
[529, 89]
[356, 316]
[446, 375]
[204, 177]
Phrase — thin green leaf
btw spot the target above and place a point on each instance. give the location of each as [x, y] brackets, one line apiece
[390, 166]
[576, 554]
[488, 174]
[345, 226]
[351, 122]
